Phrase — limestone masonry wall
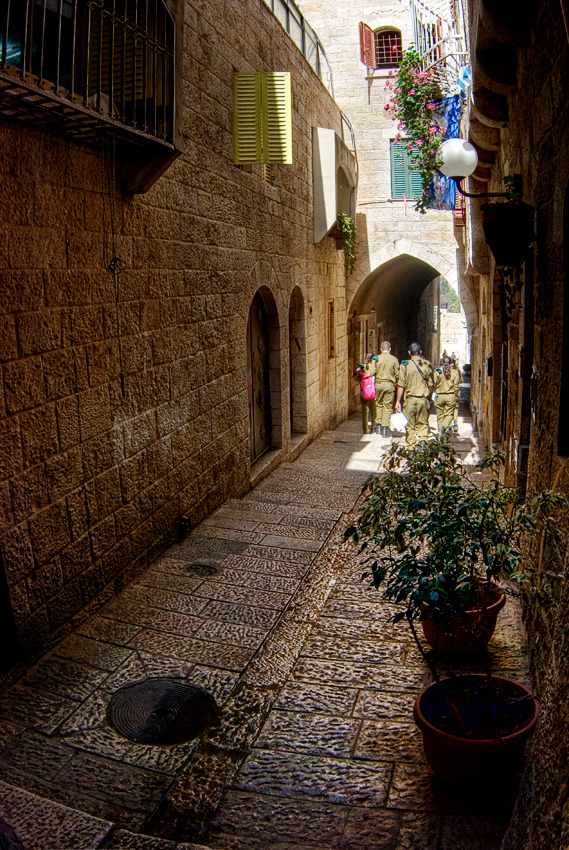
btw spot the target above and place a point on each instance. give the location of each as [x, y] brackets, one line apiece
[94, 479]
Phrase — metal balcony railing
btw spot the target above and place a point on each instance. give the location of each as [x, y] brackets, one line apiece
[88, 64]
[440, 36]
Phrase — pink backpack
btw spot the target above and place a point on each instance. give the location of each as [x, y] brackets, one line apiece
[368, 385]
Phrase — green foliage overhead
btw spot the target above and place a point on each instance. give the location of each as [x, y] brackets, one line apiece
[348, 227]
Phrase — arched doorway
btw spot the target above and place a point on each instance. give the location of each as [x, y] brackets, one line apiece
[399, 302]
[258, 379]
[297, 363]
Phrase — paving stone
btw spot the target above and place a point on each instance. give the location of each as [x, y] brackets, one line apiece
[340, 781]
[115, 781]
[384, 703]
[40, 709]
[234, 593]
[415, 788]
[124, 840]
[179, 601]
[102, 742]
[198, 651]
[274, 584]
[375, 628]
[34, 754]
[97, 653]
[132, 670]
[174, 566]
[320, 698]
[292, 542]
[352, 674]
[208, 531]
[226, 519]
[226, 612]
[109, 630]
[91, 714]
[61, 676]
[371, 829]
[8, 731]
[164, 665]
[195, 545]
[325, 525]
[231, 633]
[181, 582]
[309, 733]
[218, 683]
[45, 825]
[163, 759]
[419, 831]
[386, 739]
[264, 821]
[254, 500]
[262, 565]
[294, 555]
[351, 649]
[160, 619]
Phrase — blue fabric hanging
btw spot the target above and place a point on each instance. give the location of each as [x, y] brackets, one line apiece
[446, 115]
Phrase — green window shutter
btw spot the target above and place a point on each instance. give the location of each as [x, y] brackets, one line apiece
[277, 117]
[404, 181]
[399, 162]
[247, 136]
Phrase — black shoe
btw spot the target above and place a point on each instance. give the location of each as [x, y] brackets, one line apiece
[386, 432]
[377, 429]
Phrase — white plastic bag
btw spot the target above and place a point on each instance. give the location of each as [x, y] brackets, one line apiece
[398, 422]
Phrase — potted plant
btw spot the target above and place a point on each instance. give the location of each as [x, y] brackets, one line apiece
[436, 540]
[412, 104]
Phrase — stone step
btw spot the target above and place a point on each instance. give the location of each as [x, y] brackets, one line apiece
[30, 822]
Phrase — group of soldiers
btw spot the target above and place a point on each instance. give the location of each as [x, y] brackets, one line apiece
[407, 387]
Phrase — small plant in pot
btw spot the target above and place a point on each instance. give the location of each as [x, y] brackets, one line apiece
[436, 540]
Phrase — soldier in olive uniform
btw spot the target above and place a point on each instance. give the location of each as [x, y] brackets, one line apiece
[454, 367]
[447, 389]
[386, 373]
[416, 381]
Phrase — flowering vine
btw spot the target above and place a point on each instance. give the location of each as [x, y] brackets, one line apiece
[412, 105]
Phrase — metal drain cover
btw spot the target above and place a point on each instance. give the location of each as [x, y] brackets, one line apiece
[203, 569]
[161, 711]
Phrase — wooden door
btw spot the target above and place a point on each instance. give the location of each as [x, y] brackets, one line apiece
[258, 382]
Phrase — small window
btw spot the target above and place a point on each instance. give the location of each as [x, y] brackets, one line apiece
[405, 180]
[388, 51]
[331, 331]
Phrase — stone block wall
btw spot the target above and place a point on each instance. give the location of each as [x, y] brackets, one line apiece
[124, 401]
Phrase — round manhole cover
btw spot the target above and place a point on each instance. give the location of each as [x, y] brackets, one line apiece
[203, 569]
[161, 711]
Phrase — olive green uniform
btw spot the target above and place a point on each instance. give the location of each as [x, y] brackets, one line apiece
[446, 390]
[386, 374]
[417, 403]
[455, 413]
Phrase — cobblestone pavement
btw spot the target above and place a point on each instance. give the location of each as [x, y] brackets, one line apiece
[315, 745]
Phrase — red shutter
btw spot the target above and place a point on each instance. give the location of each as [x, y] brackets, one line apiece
[367, 45]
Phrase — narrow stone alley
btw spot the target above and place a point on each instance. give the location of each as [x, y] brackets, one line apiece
[313, 746]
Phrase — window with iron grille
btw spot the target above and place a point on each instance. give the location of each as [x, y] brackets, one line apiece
[331, 331]
[388, 51]
[106, 58]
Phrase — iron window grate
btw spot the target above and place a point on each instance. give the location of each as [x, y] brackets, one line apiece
[112, 58]
[388, 50]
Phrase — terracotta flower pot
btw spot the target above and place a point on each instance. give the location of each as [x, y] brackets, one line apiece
[464, 758]
[469, 632]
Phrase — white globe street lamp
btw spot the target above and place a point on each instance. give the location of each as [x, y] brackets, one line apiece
[457, 159]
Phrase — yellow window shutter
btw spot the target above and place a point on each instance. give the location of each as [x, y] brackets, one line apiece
[277, 117]
[247, 117]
